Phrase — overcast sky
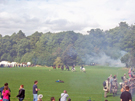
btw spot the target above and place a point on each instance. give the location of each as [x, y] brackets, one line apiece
[63, 15]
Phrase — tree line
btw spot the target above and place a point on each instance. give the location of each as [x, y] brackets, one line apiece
[68, 47]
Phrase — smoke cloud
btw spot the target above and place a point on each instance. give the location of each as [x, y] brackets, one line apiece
[105, 60]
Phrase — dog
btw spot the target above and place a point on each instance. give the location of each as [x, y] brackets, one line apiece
[40, 97]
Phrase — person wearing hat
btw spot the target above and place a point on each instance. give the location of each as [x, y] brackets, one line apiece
[114, 87]
[106, 87]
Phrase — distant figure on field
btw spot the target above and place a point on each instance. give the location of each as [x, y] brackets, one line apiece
[67, 67]
[62, 67]
[64, 96]
[59, 81]
[35, 91]
[126, 96]
[58, 66]
[54, 67]
[73, 68]
[82, 67]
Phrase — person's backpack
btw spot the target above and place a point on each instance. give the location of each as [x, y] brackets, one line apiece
[104, 83]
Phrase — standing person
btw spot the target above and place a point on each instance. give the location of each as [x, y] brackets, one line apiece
[124, 77]
[114, 87]
[123, 86]
[35, 91]
[106, 87]
[67, 67]
[54, 67]
[82, 67]
[62, 67]
[110, 83]
[73, 67]
[126, 96]
[2, 88]
[58, 66]
[64, 96]
[6, 93]
[21, 94]
[132, 89]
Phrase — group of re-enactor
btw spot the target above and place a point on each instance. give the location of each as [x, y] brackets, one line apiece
[110, 85]
[66, 67]
[127, 86]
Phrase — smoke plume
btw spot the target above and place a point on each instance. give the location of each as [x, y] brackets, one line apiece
[105, 60]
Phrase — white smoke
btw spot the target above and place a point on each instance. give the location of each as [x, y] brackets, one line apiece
[103, 59]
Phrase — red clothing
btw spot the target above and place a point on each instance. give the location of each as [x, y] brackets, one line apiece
[129, 73]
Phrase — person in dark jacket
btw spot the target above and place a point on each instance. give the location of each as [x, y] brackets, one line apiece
[21, 94]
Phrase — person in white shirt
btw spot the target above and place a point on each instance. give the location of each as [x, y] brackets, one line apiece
[64, 96]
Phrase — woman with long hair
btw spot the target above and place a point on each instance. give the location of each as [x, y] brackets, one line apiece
[6, 93]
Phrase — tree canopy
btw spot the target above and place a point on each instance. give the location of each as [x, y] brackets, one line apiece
[68, 47]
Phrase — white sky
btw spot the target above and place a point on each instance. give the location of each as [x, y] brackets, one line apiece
[63, 15]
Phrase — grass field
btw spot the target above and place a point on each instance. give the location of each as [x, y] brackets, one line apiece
[79, 85]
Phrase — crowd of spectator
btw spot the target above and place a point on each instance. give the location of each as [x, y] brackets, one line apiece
[5, 94]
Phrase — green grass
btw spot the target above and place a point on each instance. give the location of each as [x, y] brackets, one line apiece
[79, 85]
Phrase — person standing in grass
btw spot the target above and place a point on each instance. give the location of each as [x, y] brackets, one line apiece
[126, 96]
[35, 91]
[64, 96]
[21, 94]
[6, 93]
[106, 87]
[2, 88]
[110, 83]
